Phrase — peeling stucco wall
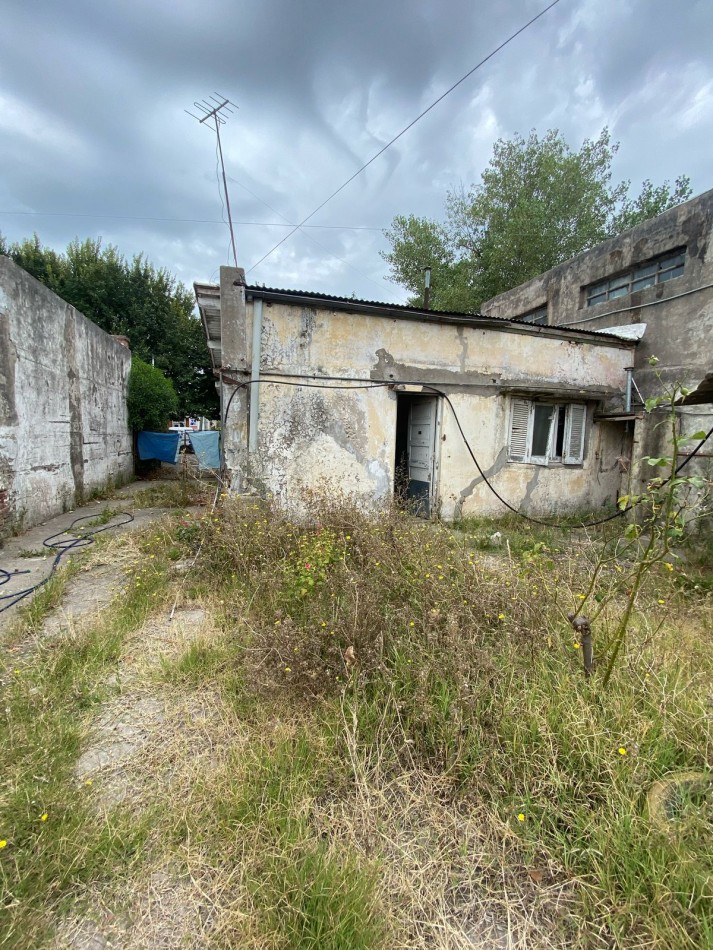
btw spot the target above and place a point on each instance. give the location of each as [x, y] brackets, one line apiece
[343, 440]
[63, 416]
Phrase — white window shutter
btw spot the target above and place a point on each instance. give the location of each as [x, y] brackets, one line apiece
[519, 429]
[574, 434]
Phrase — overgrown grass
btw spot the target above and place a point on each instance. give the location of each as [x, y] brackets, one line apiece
[409, 754]
[181, 493]
[52, 839]
[463, 668]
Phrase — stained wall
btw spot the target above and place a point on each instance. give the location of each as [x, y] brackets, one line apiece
[63, 415]
[325, 426]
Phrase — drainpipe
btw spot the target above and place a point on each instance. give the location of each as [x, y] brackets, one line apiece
[629, 380]
[254, 376]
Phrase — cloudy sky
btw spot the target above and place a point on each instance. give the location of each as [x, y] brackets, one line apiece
[94, 140]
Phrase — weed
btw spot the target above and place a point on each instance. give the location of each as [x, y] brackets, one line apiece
[104, 517]
[178, 494]
[54, 841]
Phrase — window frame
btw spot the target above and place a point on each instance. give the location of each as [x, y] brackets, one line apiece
[538, 317]
[521, 427]
[655, 270]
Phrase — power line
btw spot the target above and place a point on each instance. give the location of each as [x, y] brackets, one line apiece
[136, 217]
[313, 239]
[406, 129]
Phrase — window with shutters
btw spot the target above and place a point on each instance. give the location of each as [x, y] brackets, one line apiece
[543, 433]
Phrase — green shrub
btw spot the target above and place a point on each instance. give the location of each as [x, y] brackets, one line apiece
[152, 399]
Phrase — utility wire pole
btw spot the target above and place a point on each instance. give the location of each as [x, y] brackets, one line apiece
[216, 110]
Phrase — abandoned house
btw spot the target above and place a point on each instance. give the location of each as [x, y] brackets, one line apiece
[322, 393]
[660, 273]
[63, 417]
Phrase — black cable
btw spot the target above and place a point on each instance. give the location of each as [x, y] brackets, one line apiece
[374, 384]
[62, 547]
[549, 524]
[406, 129]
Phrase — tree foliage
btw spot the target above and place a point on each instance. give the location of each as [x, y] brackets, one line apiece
[151, 399]
[538, 204]
[146, 304]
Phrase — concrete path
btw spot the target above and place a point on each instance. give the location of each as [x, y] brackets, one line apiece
[89, 592]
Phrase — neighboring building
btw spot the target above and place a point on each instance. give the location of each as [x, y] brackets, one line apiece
[660, 274]
[63, 417]
[365, 399]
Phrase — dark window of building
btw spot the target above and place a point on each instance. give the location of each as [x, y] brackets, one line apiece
[538, 316]
[642, 275]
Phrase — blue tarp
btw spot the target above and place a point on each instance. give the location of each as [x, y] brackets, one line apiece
[206, 445]
[159, 445]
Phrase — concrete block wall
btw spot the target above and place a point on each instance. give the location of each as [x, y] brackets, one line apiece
[63, 417]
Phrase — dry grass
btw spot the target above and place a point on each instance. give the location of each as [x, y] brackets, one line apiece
[402, 753]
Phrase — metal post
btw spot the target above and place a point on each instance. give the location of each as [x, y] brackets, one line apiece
[629, 380]
[216, 110]
[255, 376]
[225, 189]
[426, 287]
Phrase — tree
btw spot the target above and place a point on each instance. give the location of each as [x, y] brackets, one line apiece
[133, 298]
[151, 398]
[538, 204]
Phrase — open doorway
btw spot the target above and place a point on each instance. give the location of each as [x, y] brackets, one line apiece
[414, 473]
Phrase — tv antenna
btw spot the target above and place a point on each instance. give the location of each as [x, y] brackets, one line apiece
[215, 108]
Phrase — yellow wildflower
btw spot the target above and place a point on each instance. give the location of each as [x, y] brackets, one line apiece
[44, 817]
[3, 843]
[521, 817]
[621, 750]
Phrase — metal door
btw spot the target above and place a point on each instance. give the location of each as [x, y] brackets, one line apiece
[421, 452]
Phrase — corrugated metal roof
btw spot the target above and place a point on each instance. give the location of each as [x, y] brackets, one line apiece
[405, 308]
[208, 297]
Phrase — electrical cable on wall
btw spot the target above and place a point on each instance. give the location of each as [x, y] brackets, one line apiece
[376, 384]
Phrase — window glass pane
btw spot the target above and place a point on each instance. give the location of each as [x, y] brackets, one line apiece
[617, 282]
[559, 438]
[619, 292]
[642, 282]
[598, 299]
[668, 274]
[541, 430]
[674, 260]
[538, 316]
[643, 269]
[597, 289]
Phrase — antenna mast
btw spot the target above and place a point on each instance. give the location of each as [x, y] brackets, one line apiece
[216, 110]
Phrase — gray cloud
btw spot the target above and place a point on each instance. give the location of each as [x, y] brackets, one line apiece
[92, 121]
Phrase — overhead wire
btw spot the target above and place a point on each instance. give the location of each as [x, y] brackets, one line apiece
[312, 239]
[138, 217]
[406, 129]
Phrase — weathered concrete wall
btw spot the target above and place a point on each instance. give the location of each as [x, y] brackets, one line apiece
[344, 439]
[63, 417]
[678, 313]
